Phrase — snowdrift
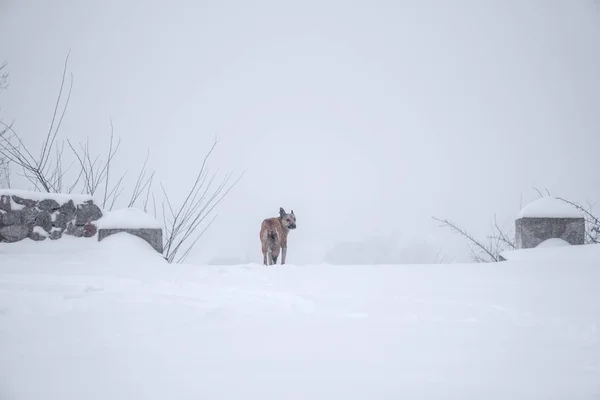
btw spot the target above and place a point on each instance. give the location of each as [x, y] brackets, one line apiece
[112, 320]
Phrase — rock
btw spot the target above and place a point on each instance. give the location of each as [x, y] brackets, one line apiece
[29, 215]
[60, 221]
[74, 230]
[34, 218]
[5, 203]
[89, 230]
[69, 210]
[87, 212]
[48, 205]
[55, 234]
[24, 202]
[44, 220]
[36, 236]
[12, 218]
[69, 229]
[13, 233]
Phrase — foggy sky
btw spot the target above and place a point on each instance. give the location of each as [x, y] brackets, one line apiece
[364, 117]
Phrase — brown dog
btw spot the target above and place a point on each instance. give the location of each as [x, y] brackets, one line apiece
[273, 236]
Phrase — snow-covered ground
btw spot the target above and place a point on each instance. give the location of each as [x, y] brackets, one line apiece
[111, 320]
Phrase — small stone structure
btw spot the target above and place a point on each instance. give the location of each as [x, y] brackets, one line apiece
[132, 221]
[39, 216]
[152, 236]
[548, 218]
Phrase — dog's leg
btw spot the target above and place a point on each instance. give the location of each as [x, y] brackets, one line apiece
[274, 255]
[283, 254]
[264, 251]
[269, 257]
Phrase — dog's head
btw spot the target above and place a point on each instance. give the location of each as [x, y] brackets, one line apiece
[287, 220]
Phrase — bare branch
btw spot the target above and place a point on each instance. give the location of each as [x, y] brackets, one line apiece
[592, 222]
[477, 244]
[140, 184]
[35, 169]
[502, 237]
[84, 170]
[110, 149]
[51, 136]
[3, 76]
[183, 225]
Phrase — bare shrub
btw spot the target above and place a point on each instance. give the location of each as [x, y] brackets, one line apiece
[185, 225]
[92, 174]
[487, 250]
[39, 170]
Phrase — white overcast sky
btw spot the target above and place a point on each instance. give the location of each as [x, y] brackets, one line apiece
[365, 117]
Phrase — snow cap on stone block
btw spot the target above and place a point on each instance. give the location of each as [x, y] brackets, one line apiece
[127, 218]
[549, 207]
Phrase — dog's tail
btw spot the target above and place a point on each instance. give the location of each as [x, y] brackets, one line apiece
[272, 236]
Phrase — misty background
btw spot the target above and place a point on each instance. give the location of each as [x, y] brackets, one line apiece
[366, 118]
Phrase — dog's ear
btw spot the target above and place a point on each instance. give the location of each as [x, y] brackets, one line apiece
[281, 211]
[292, 212]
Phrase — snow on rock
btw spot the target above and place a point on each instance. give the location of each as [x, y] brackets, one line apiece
[111, 320]
[549, 207]
[553, 242]
[127, 218]
[38, 234]
[40, 231]
[40, 196]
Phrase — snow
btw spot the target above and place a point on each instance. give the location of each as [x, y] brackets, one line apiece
[61, 198]
[15, 206]
[127, 218]
[553, 242]
[81, 319]
[549, 207]
[39, 230]
[561, 254]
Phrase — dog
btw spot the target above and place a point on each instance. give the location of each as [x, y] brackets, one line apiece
[273, 236]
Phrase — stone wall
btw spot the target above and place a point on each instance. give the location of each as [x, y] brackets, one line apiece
[39, 216]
